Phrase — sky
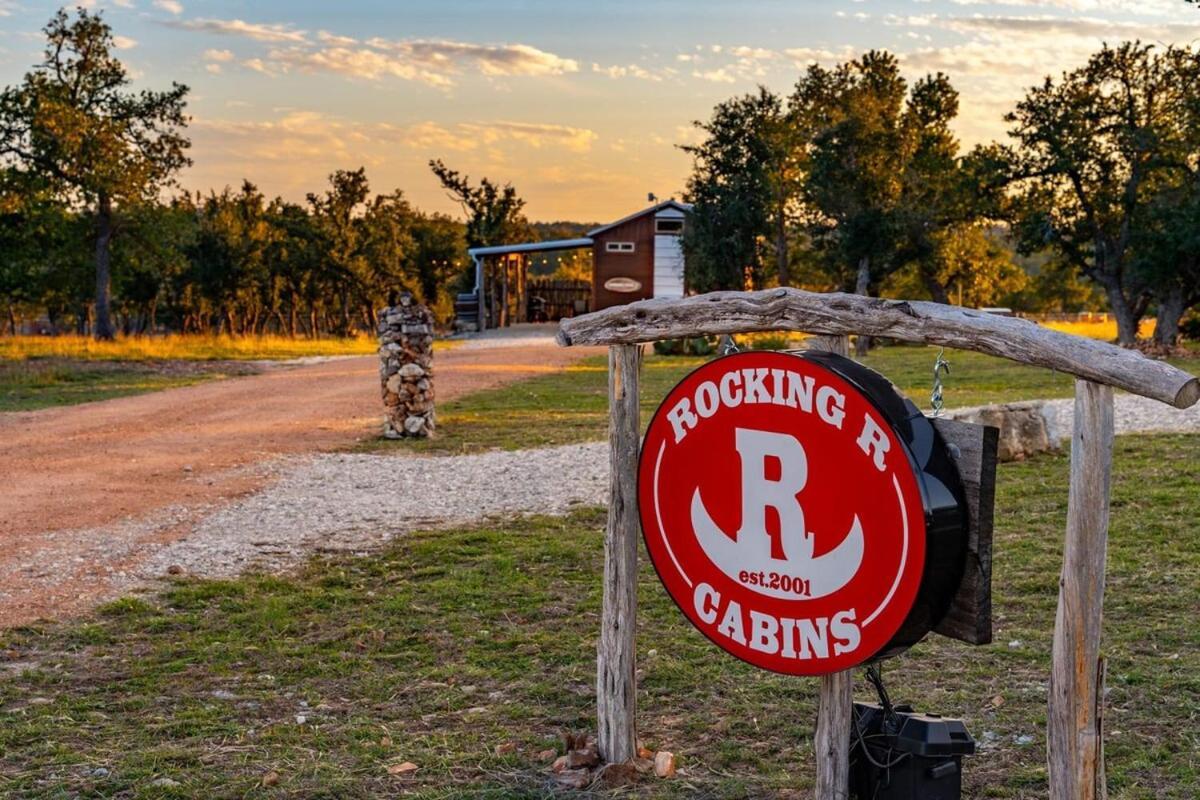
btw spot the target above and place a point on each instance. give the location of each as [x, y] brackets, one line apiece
[580, 105]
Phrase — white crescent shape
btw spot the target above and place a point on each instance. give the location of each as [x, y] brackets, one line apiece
[825, 574]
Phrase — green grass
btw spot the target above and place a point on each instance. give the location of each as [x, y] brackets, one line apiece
[42, 383]
[572, 406]
[448, 644]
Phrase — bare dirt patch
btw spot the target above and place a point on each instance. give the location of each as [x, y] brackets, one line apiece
[134, 463]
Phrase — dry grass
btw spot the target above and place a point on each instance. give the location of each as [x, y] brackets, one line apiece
[1098, 330]
[180, 348]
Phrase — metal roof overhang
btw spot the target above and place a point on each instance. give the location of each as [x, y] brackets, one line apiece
[530, 247]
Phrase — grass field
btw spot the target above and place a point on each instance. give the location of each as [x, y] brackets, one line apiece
[572, 406]
[41, 383]
[448, 645]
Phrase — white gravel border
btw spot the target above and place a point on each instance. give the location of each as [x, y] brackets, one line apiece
[356, 502]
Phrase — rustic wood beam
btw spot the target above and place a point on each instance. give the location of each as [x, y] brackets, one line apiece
[616, 684]
[1074, 730]
[911, 321]
[835, 704]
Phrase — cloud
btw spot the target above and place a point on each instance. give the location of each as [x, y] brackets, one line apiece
[721, 75]
[628, 71]
[490, 59]
[998, 57]
[434, 63]
[258, 31]
[297, 136]
[804, 56]
[352, 62]
[326, 37]
[1152, 7]
[124, 43]
[170, 6]
[537, 134]
[214, 69]
[222, 56]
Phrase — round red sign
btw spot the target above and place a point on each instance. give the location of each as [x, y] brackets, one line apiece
[782, 513]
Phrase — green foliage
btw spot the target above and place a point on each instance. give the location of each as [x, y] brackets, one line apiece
[73, 126]
[699, 346]
[1106, 167]
[734, 191]
[495, 214]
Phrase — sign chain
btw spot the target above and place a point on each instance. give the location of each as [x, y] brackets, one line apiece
[935, 398]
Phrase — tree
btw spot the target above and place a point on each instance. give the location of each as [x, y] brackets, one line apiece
[965, 264]
[103, 148]
[438, 246]
[740, 191]
[854, 165]
[495, 214]
[1091, 146]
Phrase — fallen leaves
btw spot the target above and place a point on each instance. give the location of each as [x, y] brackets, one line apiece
[404, 768]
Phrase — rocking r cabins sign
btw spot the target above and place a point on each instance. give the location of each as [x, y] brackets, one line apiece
[786, 513]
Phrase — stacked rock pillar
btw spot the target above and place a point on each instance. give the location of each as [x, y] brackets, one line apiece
[406, 368]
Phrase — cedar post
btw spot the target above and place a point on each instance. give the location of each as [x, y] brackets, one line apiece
[1074, 729]
[836, 702]
[616, 685]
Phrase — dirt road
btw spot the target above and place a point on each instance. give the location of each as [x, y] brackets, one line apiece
[68, 471]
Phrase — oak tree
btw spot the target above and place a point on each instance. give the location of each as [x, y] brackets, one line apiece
[74, 121]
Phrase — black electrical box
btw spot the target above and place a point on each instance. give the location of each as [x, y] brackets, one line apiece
[898, 754]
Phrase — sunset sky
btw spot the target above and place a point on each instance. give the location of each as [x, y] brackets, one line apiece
[579, 104]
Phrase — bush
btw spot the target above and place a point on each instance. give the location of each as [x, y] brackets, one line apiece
[699, 346]
[1190, 326]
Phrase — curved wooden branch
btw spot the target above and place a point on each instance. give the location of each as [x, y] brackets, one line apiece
[911, 321]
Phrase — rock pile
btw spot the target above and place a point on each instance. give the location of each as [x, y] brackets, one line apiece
[1025, 428]
[406, 368]
[582, 768]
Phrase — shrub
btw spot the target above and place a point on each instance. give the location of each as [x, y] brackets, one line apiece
[699, 346]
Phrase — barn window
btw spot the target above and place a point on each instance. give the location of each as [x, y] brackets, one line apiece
[619, 247]
[670, 226]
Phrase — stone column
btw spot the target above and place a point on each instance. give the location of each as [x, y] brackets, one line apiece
[406, 368]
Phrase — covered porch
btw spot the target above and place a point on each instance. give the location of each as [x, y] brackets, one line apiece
[506, 293]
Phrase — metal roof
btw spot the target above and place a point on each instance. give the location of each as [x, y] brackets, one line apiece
[654, 209]
[530, 247]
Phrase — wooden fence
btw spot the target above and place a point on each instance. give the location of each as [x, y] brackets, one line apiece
[558, 299]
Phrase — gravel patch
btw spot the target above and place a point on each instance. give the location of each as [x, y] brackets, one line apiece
[357, 502]
[1131, 414]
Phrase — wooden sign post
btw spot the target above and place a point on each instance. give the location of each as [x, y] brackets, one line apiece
[835, 701]
[1074, 727]
[616, 685]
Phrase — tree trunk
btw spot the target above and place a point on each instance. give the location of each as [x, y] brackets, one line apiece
[1171, 307]
[937, 292]
[104, 233]
[782, 267]
[1127, 321]
[862, 285]
[12, 320]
